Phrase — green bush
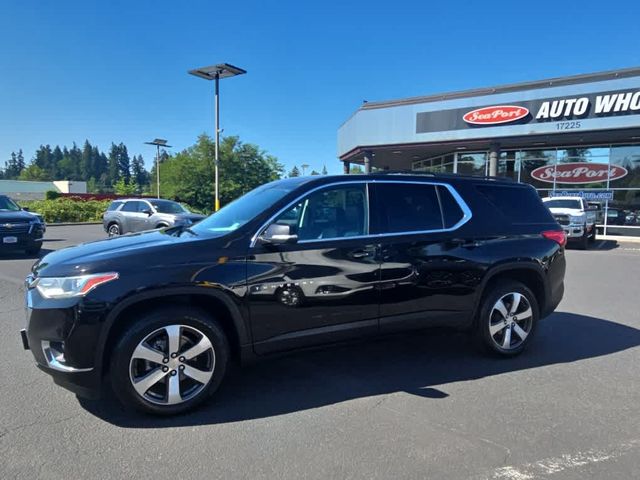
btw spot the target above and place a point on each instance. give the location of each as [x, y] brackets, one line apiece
[51, 194]
[63, 210]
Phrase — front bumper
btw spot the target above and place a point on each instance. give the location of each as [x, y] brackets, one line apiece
[62, 336]
[22, 239]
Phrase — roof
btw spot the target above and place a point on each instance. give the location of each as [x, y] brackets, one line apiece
[513, 87]
[24, 186]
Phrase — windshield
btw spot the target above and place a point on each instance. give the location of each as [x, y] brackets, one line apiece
[563, 203]
[244, 209]
[8, 205]
[167, 206]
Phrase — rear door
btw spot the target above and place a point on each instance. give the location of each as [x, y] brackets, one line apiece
[133, 218]
[428, 276]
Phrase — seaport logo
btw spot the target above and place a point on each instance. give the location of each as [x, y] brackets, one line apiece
[578, 172]
[495, 115]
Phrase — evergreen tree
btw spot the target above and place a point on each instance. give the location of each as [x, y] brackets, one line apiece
[56, 158]
[86, 165]
[324, 170]
[113, 167]
[315, 172]
[294, 172]
[20, 163]
[138, 174]
[124, 163]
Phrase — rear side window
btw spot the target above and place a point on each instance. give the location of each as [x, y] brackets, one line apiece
[407, 207]
[451, 211]
[131, 207]
[517, 204]
[113, 206]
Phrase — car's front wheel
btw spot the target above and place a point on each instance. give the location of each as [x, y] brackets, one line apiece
[507, 318]
[169, 361]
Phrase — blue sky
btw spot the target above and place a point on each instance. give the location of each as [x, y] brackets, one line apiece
[116, 70]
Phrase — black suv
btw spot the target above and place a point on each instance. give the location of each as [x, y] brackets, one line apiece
[294, 263]
[19, 229]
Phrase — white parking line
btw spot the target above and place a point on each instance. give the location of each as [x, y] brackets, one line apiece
[553, 465]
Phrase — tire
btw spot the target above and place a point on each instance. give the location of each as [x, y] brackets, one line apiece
[583, 243]
[592, 238]
[113, 230]
[491, 317]
[34, 250]
[132, 362]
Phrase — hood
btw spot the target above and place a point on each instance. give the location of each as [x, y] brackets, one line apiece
[16, 217]
[566, 211]
[119, 254]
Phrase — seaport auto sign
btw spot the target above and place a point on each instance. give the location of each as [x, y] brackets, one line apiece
[558, 109]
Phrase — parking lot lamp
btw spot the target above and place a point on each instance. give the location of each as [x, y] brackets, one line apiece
[216, 72]
[158, 142]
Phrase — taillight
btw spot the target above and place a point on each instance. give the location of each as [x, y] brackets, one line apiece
[557, 236]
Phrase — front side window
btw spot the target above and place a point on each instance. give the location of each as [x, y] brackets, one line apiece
[564, 203]
[338, 212]
[408, 207]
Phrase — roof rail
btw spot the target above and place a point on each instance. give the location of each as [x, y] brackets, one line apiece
[442, 175]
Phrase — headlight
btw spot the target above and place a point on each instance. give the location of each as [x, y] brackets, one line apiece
[578, 219]
[67, 287]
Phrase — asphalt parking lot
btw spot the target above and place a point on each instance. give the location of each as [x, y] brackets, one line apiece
[420, 406]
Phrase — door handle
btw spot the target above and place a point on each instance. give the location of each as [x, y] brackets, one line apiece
[361, 254]
[468, 243]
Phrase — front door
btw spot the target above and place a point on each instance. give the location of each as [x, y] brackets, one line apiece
[323, 286]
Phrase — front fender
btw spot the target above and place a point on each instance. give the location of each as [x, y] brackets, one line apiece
[212, 291]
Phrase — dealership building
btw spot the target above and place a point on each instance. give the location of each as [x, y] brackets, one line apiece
[577, 135]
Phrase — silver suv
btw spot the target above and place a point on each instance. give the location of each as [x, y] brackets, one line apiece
[137, 214]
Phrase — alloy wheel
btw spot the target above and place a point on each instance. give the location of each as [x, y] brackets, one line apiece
[510, 321]
[172, 365]
[114, 230]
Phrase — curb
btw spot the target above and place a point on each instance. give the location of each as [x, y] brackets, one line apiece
[68, 224]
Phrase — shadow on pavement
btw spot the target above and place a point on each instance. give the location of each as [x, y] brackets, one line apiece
[421, 364]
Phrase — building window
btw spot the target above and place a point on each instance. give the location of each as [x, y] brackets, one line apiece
[472, 163]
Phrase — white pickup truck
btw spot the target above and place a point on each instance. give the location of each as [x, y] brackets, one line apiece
[576, 217]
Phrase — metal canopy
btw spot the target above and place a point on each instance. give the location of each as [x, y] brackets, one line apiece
[222, 70]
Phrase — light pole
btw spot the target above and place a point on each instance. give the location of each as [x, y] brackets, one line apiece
[158, 142]
[216, 72]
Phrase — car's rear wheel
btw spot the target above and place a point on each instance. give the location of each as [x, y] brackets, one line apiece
[113, 230]
[507, 318]
[169, 361]
[594, 234]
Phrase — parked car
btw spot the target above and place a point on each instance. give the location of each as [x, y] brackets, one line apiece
[615, 216]
[577, 218]
[294, 263]
[19, 228]
[137, 214]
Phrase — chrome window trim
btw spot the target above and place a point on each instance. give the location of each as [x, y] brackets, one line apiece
[466, 211]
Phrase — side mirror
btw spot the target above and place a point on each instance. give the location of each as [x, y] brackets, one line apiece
[147, 211]
[26, 209]
[276, 234]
